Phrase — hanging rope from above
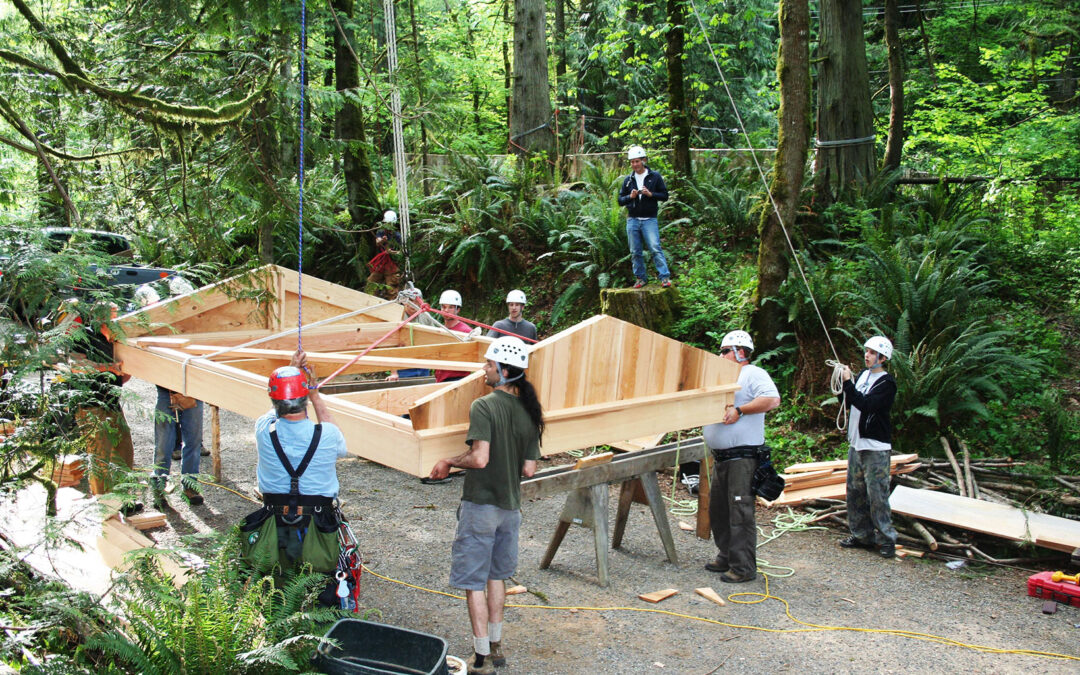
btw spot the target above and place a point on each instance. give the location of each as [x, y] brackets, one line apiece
[300, 183]
[400, 167]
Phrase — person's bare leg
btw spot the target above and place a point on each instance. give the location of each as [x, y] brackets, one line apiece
[478, 611]
[496, 601]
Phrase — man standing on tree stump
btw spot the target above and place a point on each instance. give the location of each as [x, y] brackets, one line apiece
[641, 193]
[736, 444]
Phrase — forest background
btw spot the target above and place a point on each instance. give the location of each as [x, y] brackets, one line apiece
[927, 172]
[924, 157]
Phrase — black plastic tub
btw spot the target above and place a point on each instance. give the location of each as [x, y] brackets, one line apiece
[377, 649]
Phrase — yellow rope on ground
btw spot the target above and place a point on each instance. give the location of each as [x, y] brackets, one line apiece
[810, 627]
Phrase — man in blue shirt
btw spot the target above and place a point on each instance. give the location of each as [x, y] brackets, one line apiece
[295, 431]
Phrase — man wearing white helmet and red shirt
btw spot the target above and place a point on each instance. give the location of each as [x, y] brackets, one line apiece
[870, 398]
[514, 323]
[297, 474]
[641, 193]
[736, 444]
[505, 428]
[450, 302]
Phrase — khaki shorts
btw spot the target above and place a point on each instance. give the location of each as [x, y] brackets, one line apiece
[485, 547]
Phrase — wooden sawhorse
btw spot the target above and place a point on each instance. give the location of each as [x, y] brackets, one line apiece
[587, 503]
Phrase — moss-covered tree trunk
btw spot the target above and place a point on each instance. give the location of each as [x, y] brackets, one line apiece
[531, 105]
[845, 119]
[362, 202]
[653, 308]
[680, 121]
[793, 69]
[895, 143]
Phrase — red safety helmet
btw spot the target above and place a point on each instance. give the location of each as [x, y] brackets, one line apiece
[287, 382]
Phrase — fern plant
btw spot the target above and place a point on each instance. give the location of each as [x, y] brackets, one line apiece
[221, 621]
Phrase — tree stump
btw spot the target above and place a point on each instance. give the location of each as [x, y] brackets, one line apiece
[650, 307]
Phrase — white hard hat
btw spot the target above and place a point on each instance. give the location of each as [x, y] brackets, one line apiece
[509, 350]
[180, 286]
[636, 152]
[389, 217]
[881, 345]
[737, 338]
[450, 298]
[516, 296]
[146, 295]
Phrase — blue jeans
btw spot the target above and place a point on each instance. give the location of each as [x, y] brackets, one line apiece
[647, 229]
[173, 425]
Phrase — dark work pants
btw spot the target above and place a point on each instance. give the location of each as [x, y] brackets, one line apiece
[731, 512]
[868, 512]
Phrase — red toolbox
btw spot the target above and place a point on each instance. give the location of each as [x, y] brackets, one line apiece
[1042, 586]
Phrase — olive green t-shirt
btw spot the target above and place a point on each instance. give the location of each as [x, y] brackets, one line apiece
[500, 419]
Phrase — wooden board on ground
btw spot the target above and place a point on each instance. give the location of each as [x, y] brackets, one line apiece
[657, 596]
[600, 381]
[710, 594]
[146, 520]
[842, 464]
[999, 520]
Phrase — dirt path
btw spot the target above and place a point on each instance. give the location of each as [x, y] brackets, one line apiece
[406, 528]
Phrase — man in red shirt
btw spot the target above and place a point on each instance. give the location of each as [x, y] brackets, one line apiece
[450, 302]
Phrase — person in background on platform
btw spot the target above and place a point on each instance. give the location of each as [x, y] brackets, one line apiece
[641, 193]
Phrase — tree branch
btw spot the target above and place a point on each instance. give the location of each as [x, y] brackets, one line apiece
[10, 114]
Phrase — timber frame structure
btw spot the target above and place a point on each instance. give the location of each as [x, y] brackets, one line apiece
[600, 381]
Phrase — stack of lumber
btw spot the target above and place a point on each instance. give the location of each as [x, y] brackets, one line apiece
[827, 480]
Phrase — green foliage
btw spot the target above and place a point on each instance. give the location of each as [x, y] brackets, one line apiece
[221, 621]
[717, 293]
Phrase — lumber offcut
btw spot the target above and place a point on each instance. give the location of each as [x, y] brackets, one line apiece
[999, 520]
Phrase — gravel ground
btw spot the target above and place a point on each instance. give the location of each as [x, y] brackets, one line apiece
[406, 528]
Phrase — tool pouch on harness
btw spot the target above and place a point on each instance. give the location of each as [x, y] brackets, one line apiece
[766, 484]
[292, 529]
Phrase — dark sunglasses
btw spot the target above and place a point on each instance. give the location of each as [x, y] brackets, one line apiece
[725, 350]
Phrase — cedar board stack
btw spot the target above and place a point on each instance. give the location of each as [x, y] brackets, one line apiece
[827, 480]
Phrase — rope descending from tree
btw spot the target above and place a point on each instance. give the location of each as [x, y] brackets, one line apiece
[300, 219]
[836, 386]
[400, 168]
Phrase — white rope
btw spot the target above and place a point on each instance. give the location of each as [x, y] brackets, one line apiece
[841, 415]
[400, 168]
[836, 386]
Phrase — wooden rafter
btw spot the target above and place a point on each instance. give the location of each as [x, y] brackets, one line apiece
[601, 381]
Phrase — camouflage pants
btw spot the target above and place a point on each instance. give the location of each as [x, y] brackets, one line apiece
[868, 512]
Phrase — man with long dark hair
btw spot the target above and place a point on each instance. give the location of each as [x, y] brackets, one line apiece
[505, 428]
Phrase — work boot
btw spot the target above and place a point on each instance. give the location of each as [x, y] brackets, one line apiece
[854, 542]
[497, 657]
[205, 452]
[487, 669]
[191, 493]
[730, 577]
[887, 550]
[717, 566]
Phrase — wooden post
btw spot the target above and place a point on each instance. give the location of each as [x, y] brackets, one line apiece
[215, 442]
[704, 526]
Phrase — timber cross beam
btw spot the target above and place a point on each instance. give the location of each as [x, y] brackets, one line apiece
[586, 505]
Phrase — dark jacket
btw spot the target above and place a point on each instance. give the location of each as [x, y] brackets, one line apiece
[873, 407]
[642, 206]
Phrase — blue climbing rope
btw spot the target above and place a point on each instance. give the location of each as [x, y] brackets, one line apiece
[300, 220]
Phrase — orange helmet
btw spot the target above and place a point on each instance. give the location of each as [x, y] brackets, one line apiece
[287, 382]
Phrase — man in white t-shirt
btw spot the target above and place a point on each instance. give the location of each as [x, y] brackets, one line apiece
[870, 398]
[735, 443]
